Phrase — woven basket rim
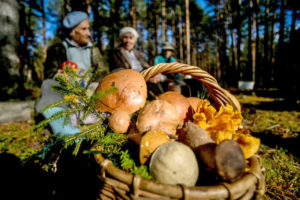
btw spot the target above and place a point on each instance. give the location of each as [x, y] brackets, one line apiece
[119, 182]
[220, 95]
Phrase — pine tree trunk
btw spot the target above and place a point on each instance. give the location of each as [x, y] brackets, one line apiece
[234, 60]
[239, 37]
[249, 65]
[265, 68]
[44, 30]
[187, 32]
[164, 21]
[253, 45]
[257, 41]
[272, 43]
[173, 21]
[280, 59]
[11, 77]
[96, 25]
[195, 48]
[180, 34]
[64, 9]
[132, 13]
[156, 30]
[88, 6]
[293, 24]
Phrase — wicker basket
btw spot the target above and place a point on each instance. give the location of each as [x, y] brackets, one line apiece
[118, 184]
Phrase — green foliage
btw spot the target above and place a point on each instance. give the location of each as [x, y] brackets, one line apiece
[20, 140]
[109, 144]
[128, 164]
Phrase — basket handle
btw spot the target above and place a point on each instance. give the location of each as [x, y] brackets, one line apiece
[220, 95]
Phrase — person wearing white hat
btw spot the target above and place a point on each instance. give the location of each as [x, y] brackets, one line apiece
[126, 56]
[77, 48]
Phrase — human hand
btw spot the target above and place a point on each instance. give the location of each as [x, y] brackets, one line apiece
[155, 79]
[59, 72]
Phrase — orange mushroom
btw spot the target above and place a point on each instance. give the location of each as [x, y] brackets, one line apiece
[130, 96]
[158, 115]
[180, 102]
[149, 142]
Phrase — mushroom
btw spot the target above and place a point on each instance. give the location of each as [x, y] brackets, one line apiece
[130, 96]
[180, 102]
[149, 142]
[226, 158]
[158, 115]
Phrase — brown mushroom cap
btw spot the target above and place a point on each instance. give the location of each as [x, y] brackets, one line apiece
[158, 115]
[180, 102]
[119, 121]
[130, 96]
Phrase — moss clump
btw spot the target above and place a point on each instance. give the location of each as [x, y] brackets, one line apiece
[19, 139]
[282, 173]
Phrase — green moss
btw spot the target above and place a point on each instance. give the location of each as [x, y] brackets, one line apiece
[20, 140]
[282, 173]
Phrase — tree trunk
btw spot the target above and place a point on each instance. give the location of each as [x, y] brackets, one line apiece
[150, 17]
[88, 6]
[195, 47]
[282, 24]
[272, 43]
[257, 42]
[132, 13]
[280, 58]
[234, 60]
[293, 24]
[173, 21]
[265, 68]
[10, 78]
[156, 29]
[164, 21]
[44, 30]
[180, 34]
[239, 37]
[187, 31]
[249, 65]
[64, 9]
[253, 45]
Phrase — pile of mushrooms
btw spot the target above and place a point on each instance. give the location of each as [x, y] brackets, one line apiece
[168, 118]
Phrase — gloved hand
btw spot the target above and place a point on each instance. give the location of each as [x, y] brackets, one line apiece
[57, 125]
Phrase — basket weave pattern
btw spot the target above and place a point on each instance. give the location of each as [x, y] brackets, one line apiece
[118, 184]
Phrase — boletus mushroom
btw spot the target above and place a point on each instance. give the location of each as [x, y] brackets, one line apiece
[158, 115]
[130, 96]
[180, 102]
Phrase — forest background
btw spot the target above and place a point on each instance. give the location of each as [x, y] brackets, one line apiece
[233, 40]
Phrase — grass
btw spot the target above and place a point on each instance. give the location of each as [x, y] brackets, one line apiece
[279, 131]
[277, 128]
[18, 139]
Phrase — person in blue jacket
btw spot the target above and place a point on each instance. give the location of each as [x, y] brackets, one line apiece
[166, 55]
[171, 81]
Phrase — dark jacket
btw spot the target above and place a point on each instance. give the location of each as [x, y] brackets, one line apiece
[118, 59]
[56, 55]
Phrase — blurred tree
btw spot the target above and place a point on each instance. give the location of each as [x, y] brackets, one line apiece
[10, 77]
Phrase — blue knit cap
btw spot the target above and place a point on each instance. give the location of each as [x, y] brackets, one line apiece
[74, 18]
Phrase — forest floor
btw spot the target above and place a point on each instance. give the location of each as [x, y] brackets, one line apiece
[274, 122]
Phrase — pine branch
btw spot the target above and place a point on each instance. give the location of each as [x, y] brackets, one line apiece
[56, 116]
